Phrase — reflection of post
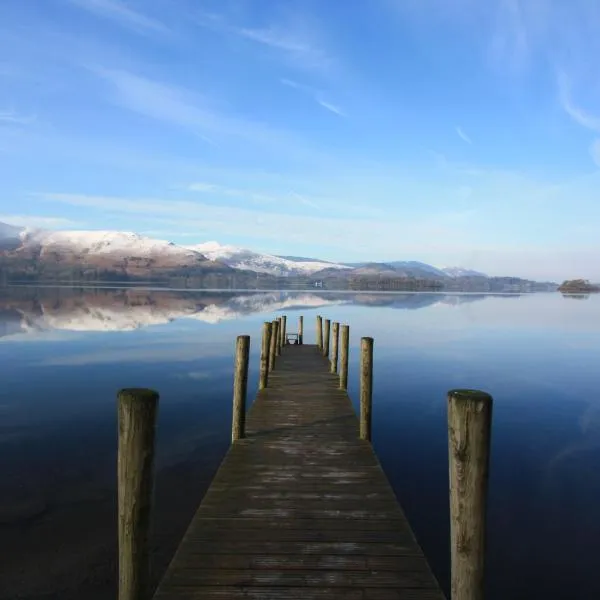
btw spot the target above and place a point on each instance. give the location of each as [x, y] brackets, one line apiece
[345, 343]
[326, 338]
[264, 356]
[469, 433]
[273, 352]
[319, 332]
[283, 329]
[240, 387]
[137, 411]
[335, 334]
[366, 387]
[300, 329]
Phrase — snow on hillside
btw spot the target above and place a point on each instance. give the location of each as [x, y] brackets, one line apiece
[462, 272]
[242, 258]
[104, 242]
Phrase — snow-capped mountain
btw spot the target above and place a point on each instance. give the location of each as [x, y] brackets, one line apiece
[462, 272]
[242, 258]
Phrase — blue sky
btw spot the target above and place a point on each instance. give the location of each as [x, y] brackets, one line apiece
[455, 132]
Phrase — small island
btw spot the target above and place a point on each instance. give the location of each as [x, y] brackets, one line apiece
[578, 286]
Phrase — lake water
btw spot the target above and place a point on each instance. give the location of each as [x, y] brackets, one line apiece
[65, 353]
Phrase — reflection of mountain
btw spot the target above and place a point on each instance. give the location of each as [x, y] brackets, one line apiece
[30, 309]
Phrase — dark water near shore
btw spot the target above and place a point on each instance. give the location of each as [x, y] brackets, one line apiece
[64, 353]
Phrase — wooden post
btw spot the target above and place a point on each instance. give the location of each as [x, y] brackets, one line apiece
[273, 349]
[366, 387]
[345, 343]
[283, 329]
[137, 411]
[240, 387]
[264, 356]
[319, 332]
[300, 329]
[279, 330]
[335, 338]
[469, 433]
[326, 338]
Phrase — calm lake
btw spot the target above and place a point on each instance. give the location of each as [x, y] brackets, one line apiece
[64, 354]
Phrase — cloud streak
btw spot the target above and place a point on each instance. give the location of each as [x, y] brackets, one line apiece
[578, 114]
[122, 14]
[463, 136]
[14, 118]
[316, 95]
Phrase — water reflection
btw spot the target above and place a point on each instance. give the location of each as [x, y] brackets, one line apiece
[64, 353]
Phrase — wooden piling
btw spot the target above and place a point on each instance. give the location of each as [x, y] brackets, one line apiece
[469, 433]
[319, 332]
[283, 330]
[279, 329]
[345, 350]
[300, 329]
[137, 411]
[366, 387]
[273, 348]
[264, 356]
[335, 338]
[326, 338]
[240, 387]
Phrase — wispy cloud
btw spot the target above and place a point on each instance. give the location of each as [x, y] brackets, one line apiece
[463, 136]
[37, 221]
[213, 188]
[14, 118]
[316, 95]
[578, 114]
[293, 40]
[122, 14]
[187, 109]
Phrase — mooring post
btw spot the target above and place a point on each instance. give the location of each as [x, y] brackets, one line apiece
[283, 330]
[326, 338]
[273, 349]
[300, 329]
[240, 387]
[264, 356]
[279, 330]
[137, 411]
[345, 347]
[319, 332]
[469, 433]
[335, 338]
[366, 387]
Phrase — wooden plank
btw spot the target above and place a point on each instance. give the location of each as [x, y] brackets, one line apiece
[300, 508]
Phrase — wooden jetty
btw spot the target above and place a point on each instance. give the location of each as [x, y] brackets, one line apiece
[300, 507]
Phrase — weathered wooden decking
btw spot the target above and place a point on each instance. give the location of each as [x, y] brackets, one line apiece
[301, 508]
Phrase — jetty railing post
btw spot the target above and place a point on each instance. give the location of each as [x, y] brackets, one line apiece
[300, 329]
[279, 330]
[469, 433]
[319, 332]
[137, 411]
[335, 338]
[283, 329]
[345, 350]
[273, 349]
[366, 387]
[240, 387]
[264, 356]
[326, 338]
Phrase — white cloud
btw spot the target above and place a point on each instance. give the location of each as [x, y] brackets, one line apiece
[463, 136]
[122, 14]
[332, 108]
[37, 221]
[14, 118]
